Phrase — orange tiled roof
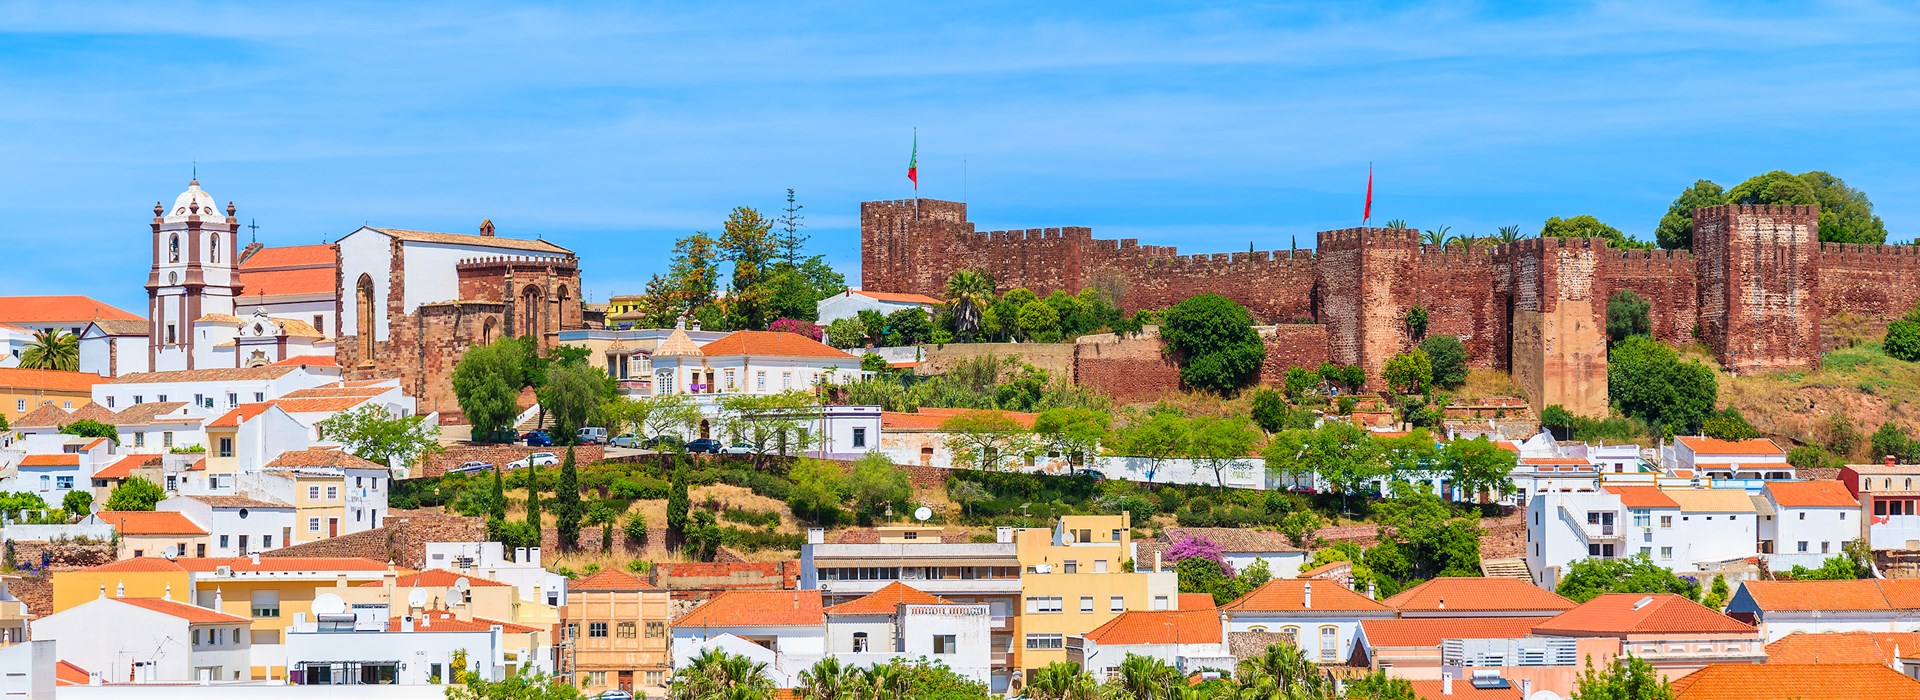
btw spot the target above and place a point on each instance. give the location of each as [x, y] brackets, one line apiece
[887, 600]
[896, 297]
[193, 614]
[1624, 613]
[1857, 595]
[240, 414]
[1712, 446]
[1811, 494]
[468, 239]
[320, 457]
[1160, 627]
[1197, 601]
[146, 413]
[610, 580]
[150, 522]
[57, 309]
[234, 501]
[1429, 631]
[1475, 594]
[444, 621]
[216, 374]
[436, 578]
[124, 467]
[46, 415]
[319, 564]
[66, 673]
[1795, 682]
[933, 418]
[317, 280]
[59, 460]
[737, 608]
[316, 255]
[1642, 497]
[1321, 569]
[1289, 595]
[308, 360]
[144, 565]
[771, 344]
[334, 391]
[49, 380]
[1843, 647]
[328, 404]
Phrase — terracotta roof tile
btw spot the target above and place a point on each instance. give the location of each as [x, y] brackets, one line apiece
[150, 522]
[59, 460]
[1322, 569]
[1795, 682]
[887, 601]
[468, 239]
[193, 614]
[46, 415]
[316, 255]
[1474, 594]
[267, 563]
[331, 404]
[402, 537]
[1429, 631]
[307, 360]
[1462, 690]
[437, 578]
[237, 502]
[218, 374]
[137, 565]
[610, 580]
[1843, 647]
[146, 413]
[933, 418]
[91, 411]
[1642, 497]
[49, 380]
[1711, 500]
[257, 283]
[1863, 594]
[1288, 595]
[1624, 613]
[756, 609]
[1198, 601]
[320, 457]
[1811, 494]
[1712, 446]
[1160, 627]
[771, 344]
[444, 621]
[66, 673]
[124, 467]
[896, 297]
[42, 310]
[240, 414]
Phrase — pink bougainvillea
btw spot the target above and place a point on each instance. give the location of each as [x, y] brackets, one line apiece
[788, 325]
[1198, 548]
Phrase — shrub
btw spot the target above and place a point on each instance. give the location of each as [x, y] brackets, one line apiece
[1903, 340]
[641, 488]
[802, 328]
[635, 526]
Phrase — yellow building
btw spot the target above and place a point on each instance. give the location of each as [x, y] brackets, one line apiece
[24, 391]
[270, 591]
[1075, 578]
[617, 634]
[465, 598]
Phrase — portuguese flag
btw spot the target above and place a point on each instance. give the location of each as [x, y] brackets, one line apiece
[913, 161]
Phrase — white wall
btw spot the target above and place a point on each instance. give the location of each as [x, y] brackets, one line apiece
[27, 669]
[969, 625]
[1346, 627]
[417, 651]
[106, 637]
[227, 527]
[850, 304]
[364, 251]
[1823, 530]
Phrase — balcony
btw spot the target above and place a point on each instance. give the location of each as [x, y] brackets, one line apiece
[1592, 532]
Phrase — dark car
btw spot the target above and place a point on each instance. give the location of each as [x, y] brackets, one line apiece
[538, 438]
[707, 445]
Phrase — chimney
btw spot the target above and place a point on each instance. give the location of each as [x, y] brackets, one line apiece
[219, 599]
[120, 591]
[1889, 460]
[520, 554]
[696, 324]
[169, 594]
[254, 558]
[1443, 603]
[406, 623]
[533, 556]
[103, 590]
[1156, 561]
[1306, 596]
[426, 619]
[1526, 687]
[1373, 591]
[816, 535]
[340, 580]
[486, 227]
[1003, 535]
[1446, 682]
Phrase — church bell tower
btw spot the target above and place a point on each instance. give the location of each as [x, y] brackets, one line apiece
[193, 274]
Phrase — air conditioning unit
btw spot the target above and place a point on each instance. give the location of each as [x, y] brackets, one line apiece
[223, 570]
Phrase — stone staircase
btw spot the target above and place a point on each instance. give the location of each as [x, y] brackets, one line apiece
[532, 419]
[1506, 568]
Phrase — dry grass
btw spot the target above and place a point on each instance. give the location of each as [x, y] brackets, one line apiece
[1487, 384]
[1860, 382]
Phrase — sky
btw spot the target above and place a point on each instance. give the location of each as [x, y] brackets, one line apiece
[614, 129]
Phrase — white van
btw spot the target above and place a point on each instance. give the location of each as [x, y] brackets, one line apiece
[593, 436]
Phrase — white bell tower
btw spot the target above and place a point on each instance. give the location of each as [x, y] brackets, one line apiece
[193, 275]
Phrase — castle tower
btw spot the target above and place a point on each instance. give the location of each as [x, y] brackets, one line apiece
[1759, 274]
[194, 249]
[1364, 281]
[1558, 332]
[905, 244]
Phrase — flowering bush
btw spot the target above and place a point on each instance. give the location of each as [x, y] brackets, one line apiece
[788, 325]
[1198, 548]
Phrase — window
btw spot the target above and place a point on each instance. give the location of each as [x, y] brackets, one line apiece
[138, 399]
[786, 381]
[1160, 602]
[1099, 566]
[139, 439]
[1646, 552]
[1666, 552]
[196, 637]
[266, 541]
[1826, 546]
[320, 324]
[1072, 566]
[46, 482]
[1803, 515]
[624, 630]
[859, 437]
[68, 406]
[63, 482]
[656, 678]
[1086, 603]
[1642, 518]
[597, 630]
[226, 447]
[313, 524]
[19, 405]
[656, 630]
[1803, 545]
[199, 400]
[259, 396]
[944, 644]
[313, 493]
[213, 250]
[1043, 604]
[224, 543]
[573, 630]
[109, 402]
[333, 493]
[726, 376]
[859, 642]
[166, 439]
[1291, 634]
[1666, 522]
[172, 338]
[760, 381]
[1117, 604]
[233, 400]
[1329, 643]
[266, 603]
[1046, 641]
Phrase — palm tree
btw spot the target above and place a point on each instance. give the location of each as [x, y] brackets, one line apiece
[52, 349]
[713, 674]
[968, 292]
[1397, 224]
[828, 679]
[889, 681]
[1287, 667]
[1062, 680]
[1144, 678]
[1437, 237]
[1511, 234]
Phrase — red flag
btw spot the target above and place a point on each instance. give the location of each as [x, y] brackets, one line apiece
[913, 161]
[1368, 214]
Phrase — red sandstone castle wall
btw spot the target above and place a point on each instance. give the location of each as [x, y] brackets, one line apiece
[1666, 279]
[1876, 283]
[1759, 272]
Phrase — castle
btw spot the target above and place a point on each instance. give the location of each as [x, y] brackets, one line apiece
[1755, 289]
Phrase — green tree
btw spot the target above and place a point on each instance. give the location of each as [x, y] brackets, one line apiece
[1416, 321]
[534, 519]
[523, 686]
[568, 510]
[635, 526]
[135, 493]
[668, 414]
[819, 487]
[382, 437]
[1448, 358]
[1728, 425]
[1649, 381]
[1478, 465]
[1627, 677]
[828, 679]
[1299, 381]
[1409, 372]
[1856, 562]
[1038, 320]
[1587, 579]
[88, 427]
[1428, 536]
[771, 423]
[1144, 678]
[1062, 680]
[1717, 593]
[571, 394]
[846, 333]
[497, 505]
[1379, 686]
[908, 326]
[788, 239]
[1676, 226]
[877, 483]
[1271, 412]
[986, 440]
[1159, 435]
[1903, 341]
[1214, 341]
[1342, 454]
[969, 293]
[1220, 443]
[713, 674]
[1627, 314]
[1586, 226]
[487, 383]
[746, 240]
[53, 349]
[678, 501]
[604, 516]
[1075, 433]
[77, 503]
[1842, 437]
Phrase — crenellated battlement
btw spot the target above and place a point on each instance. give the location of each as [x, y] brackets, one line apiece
[1355, 237]
[1771, 210]
[566, 263]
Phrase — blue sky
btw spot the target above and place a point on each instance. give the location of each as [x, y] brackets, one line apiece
[614, 129]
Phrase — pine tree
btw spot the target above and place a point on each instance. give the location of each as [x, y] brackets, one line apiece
[567, 508]
[790, 238]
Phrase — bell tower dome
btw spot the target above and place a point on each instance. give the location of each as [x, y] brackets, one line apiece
[193, 274]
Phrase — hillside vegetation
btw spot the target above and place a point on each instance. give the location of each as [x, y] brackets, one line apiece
[1860, 383]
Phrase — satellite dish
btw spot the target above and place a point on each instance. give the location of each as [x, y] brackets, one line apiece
[328, 604]
[417, 599]
[461, 584]
[168, 553]
[922, 513]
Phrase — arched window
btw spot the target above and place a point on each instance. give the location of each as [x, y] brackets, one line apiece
[487, 329]
[1329, 643]
[530, 312]
[214, 250]
[1909, 485]
[363, 313]
[1258, 628]
[663, 382]
[173, 248]
[560, 309]
[1291, 634]
[859, 642]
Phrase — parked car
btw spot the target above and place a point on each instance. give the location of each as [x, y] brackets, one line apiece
[537, 438]
[471, 467]
[707, 445]
[662, 442]
[538, 459]
[1094, 473]
[628, 440]
[614, 695]
[738, 448]
[593, 436]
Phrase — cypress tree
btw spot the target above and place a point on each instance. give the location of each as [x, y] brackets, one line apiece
[678, 502]
[566, 503]
[498, 508]
[533, 495]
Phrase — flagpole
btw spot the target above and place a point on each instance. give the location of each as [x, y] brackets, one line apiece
[913, 169]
